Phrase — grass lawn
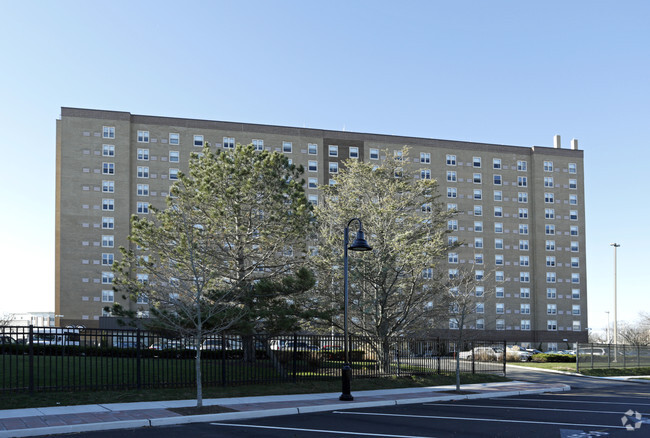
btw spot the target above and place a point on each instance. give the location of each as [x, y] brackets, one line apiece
[41, 399]
[613, 372]
[559, 366]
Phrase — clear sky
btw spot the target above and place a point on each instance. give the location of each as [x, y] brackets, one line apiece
[506, 72]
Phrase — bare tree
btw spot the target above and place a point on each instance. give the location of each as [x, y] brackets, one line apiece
[634, 333]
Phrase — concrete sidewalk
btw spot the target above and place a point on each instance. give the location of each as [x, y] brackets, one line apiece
[71, 419]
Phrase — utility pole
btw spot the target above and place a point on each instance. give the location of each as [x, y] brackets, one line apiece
[616, 246]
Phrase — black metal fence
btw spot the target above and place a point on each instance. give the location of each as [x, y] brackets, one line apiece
[65, 359]
[612, 356]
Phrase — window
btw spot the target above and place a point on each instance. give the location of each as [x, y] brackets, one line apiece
[499, 292]
[550, 261]
[524, 292]
[522, 166]
[478, 242]
[497, 180]
[313, 183]
[478, 210]
[499, 276]
[500, 308]
[524, 277]
[398, 172]
[480, 324]
[312, 166]
[108, 204]
[398, 155]
[550, 245]
[354, 152]
[549, 230]
[575, 294]
[498, 227]
[452, 192]
[451, 175]
[478, 259]
[498, 211]
[551, 277]
[313, 200]
[525, 324]
[374, 154]
[574, 247]
[142, 299]
[573, 184]
[452, 257]
[450, 207]
[143, 154]
[479, 291]
[143, 207]
[174, 156]
[452, 224]
[143, 189]
[548, 181]
[451, 160]
[575, 309]
[480, 307]
[108, 132]
[143, 172]
[498, 195]
[143, 136]
[453, 273]
[523, 245]
[575, 262]
[478, 275]
[108, 259]
[198, 140]
[333, 150]
[108, 223]
[229, 142]
[551, 309]
[107, 277]
[501, 324]
[548, 166]
[108, 168]
[575, 278]
[573, 215]
[477, 178]
[425, 174]
[478, 194]
[174, 139]
[551, 325]
[573, 168]
[425, 157]
[549, 213]
[498, 243]
[173, 174]
[107, 297]
[453, 324]
[524, 261]
[573, 230]
[576, 326]
[476, 161]
[524, 309]
[287, 147]
[522, 197]
[523, 213]
[523, 228]
[522, 181]
[452, 240]
[478, 226]
[312, 149]
[334, 167]
[108, 150]
[496, 163]
[108, 186]
[573, 199]
[551, 293]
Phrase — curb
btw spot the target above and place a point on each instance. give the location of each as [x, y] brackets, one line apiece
[75, 428]
[568, 373]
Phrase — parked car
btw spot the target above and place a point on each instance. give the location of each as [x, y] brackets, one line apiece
[7, 340]
[534, 351]
[482, 353]
[596, 351]
[283, 344]
[519, 353]
[332, 347]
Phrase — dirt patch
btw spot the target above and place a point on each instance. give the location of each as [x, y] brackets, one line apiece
[193, 410]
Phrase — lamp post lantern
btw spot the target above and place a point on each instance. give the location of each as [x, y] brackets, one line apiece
[615, 245]
[359, 244]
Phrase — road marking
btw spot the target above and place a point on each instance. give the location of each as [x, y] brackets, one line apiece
[298, 429]
[522, 408]
[491, 420]
[577, 401]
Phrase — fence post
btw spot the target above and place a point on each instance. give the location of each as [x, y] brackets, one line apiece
[504, 357]
[578, 357]
[624, 356]
[609, 355]
[31, 358]
[471, 347]
[223, 359]
[295, 355]
[438, 353]
[138, 359]
[638, 356]
[592, 355]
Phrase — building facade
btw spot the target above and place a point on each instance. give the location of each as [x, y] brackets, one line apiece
[520, 209]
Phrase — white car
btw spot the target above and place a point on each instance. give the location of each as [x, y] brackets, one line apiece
[482, 353]
[519, 353]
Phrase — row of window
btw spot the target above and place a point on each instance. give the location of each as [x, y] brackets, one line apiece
[499, 291]
[452, 258]
[524, 276]
[524, 309]
[452, 224]
[522, 197]
[551, 325]
[522, 166]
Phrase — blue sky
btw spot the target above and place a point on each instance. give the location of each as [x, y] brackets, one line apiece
[505, 72]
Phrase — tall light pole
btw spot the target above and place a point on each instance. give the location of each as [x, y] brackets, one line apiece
[359, 244]
[615, 245]
[607, 329]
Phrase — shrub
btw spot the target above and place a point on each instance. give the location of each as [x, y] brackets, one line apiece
[541, 357]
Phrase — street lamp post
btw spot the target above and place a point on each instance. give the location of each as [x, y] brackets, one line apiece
[615, 245]
[359, 244]
[607, 329]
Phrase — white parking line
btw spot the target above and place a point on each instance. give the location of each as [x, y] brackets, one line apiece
[489, 420]
[298, 429]
[523, 408]
[579, 401]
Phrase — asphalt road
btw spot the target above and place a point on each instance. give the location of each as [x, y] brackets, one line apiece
[593, 408]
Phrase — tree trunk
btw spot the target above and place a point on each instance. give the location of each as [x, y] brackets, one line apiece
[248, 345]
[197, 363]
